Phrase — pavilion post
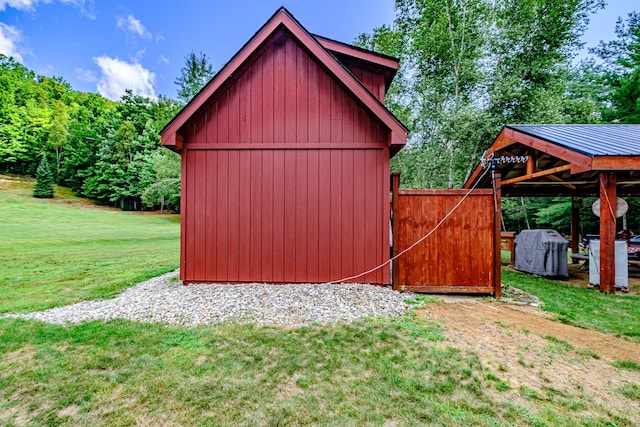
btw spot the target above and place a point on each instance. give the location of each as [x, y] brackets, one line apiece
[607, 231]
[575, 227]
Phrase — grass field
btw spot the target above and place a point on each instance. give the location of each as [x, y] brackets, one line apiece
[55, 252]
[379, 372]
[400, 371]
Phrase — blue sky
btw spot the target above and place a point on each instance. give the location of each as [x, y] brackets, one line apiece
[107, 46]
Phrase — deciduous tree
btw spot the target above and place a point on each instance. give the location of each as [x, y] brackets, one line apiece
[621, 71]
[470, 66]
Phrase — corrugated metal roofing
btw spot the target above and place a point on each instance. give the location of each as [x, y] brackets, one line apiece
[591, 140]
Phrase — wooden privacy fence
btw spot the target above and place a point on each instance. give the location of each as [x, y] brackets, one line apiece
[460, 256]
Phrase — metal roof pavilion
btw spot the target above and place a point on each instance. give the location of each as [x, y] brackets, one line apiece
[568, 160]
[564, 160]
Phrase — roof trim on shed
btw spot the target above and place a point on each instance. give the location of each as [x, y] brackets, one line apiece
[283, 19]
[358, 52]
[387, 64]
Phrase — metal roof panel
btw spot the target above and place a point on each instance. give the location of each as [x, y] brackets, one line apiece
[589, 139]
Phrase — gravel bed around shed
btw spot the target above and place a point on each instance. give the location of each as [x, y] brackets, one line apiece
[163, 299]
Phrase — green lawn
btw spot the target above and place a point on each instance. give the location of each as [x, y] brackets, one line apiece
[55, 252]
[617, 314]
[399, 371]
[379, 372]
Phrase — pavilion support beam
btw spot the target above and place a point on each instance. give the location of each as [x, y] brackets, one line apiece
[607, 231]
[538, 174]
[576, 203]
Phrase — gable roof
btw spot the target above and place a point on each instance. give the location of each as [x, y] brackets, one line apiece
[283, 19]
[564, 159]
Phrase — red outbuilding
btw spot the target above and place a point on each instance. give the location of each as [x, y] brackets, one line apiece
[285, 162]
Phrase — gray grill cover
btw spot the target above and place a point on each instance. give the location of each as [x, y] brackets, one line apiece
[542, 252]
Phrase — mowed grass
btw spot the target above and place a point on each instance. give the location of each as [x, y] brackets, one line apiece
[395, 371]
[60, 251]
[377, 372]
[617, 314]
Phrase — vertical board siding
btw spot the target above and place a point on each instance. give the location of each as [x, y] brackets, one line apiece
[284, 96]
[370, 78]
[221, 167]
[280, 64]
[288, 200]
[199, 186]
[256, 208]
[313, 217]
[210, 233]
[324, 215]
[266, 132]
[385, 219]
[302, 214]
[300, 218]
[244, 215]
[186, 194]
[459, 253]
[282, 221]
[271, 260]
[370, 217]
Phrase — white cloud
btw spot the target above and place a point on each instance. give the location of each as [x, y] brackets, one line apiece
[133, 25]
[18, 4]
[164, 59]
[10, 37]
[31, 4]
[118, 76]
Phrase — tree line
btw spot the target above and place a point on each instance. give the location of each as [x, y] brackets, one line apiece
[467, 67]
[104, 150]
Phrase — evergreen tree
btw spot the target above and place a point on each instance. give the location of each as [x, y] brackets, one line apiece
[44, 180]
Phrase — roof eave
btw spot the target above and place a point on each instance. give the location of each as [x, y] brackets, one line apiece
[366, 55]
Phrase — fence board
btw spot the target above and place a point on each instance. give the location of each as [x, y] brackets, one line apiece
[459, 256]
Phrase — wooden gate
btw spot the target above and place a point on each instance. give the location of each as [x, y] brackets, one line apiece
[462, 255]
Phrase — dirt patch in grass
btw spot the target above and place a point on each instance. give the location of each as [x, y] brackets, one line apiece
[68, 411]
[536, 360]
[18, 414]
[475, 316]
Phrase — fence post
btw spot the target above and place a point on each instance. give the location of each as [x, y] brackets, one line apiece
[395, 187]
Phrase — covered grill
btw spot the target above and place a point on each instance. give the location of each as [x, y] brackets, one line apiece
[541, 252]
